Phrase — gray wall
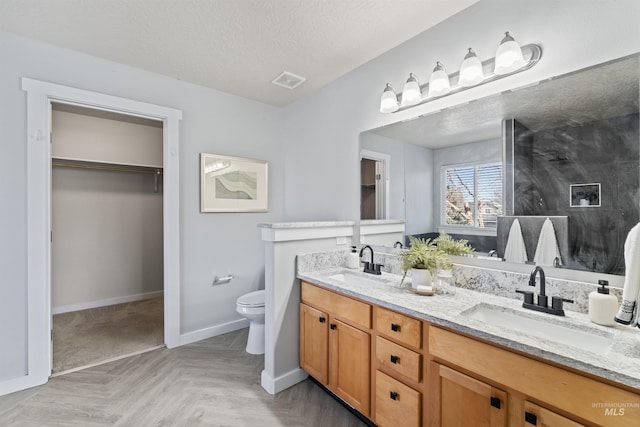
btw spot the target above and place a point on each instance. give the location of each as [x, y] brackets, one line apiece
[107, 236]
[419, 189]
[211, 244]
[323, 128]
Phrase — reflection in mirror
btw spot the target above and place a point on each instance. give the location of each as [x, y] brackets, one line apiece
[571, 149]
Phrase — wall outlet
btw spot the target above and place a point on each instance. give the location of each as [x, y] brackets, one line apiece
[341, 240]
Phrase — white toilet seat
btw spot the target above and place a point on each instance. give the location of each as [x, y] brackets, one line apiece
[252, 299]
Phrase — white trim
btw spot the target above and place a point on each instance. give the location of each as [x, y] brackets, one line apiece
[105, 302]
[39, 97]
[283, 382]
[111, 359]
[310, 233]
[213, 331]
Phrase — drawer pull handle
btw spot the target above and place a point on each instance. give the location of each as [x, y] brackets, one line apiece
[394, 359]
[322, 319]
[395, 327]
[531, 418]
[393, 395]
[495, 402]
[333, 326]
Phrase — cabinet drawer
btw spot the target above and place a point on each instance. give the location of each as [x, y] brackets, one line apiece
[342, 307]
[399, 327]
[399, 358]
[396, 403]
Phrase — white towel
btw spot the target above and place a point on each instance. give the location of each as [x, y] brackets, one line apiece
[547, 250]
[515, 251]
[628, 309]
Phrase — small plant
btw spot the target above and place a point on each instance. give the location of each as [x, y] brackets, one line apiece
[450, 246]
[425, 255]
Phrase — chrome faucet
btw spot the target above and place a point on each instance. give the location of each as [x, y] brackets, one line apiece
[556, 302]
[398, 245]
[370, 267]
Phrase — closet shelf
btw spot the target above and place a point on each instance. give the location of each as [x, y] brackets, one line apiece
[116, 167]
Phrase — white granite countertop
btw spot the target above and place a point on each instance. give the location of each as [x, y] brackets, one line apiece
[619, 361]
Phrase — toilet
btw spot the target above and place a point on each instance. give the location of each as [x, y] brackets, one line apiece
[251, 306]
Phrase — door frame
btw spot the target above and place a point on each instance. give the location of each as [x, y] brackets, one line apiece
[383, 205]
[40, 95]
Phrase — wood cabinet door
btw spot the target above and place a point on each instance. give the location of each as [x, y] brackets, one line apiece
[463, 401]
[349, 363]
[538, 416]
[314, 343]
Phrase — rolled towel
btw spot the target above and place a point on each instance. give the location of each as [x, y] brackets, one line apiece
[547, 251]
[515, 251]
[627, 313]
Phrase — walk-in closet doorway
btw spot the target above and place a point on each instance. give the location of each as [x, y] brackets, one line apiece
[40, 99]
[107, 237]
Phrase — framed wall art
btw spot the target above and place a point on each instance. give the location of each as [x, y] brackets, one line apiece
[585, 195]
[233, 184]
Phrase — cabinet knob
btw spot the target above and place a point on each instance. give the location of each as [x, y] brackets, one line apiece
[395, 327]
[393, 395]
[531, 418]
[394, 359]
[322, 319]
[333, 326]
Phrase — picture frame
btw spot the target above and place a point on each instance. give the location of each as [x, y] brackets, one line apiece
[585, 195]
[233, 184]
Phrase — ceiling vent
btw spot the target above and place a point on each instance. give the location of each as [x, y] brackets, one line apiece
[288, 80]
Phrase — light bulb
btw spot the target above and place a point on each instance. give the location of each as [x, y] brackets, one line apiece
[389, 100]
[439, 81]
[471, 70]
[508, 56]
[411, 93]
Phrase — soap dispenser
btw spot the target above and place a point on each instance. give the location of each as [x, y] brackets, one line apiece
[353, 259]
[603, 306]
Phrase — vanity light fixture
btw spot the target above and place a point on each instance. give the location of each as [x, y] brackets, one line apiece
[508, 56]
[389, 100]
[411, 94]
[471, 70]
[439, 81]
[510, 59]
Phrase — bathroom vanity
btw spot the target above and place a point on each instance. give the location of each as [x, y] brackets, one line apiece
[402, 359]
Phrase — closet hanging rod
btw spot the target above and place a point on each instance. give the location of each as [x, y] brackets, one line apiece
[153, 171]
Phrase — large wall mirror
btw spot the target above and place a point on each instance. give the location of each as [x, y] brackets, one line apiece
[566, 148]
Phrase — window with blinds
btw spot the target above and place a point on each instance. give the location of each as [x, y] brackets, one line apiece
[472, 195]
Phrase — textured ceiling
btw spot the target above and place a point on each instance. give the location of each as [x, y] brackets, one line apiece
[598, 93]
[237, 46]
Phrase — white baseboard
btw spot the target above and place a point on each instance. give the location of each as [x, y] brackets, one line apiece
[18, 384]
[283, 382]
[105, 302]
[213, 331]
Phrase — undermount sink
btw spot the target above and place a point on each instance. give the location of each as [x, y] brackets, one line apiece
[360, 278]
[551, 329]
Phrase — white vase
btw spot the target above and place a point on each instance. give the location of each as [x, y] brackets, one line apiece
[584, 202]
[420, 277]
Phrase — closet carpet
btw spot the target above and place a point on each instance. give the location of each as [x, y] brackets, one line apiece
[213, 382]
[100, 334]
